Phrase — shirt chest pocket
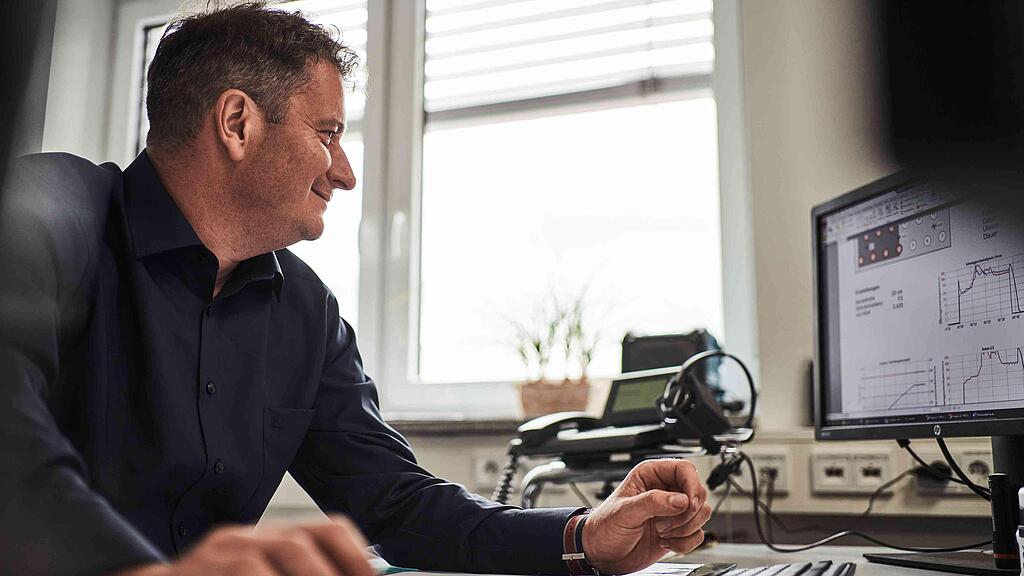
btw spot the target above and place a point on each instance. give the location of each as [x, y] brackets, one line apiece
[283, 432]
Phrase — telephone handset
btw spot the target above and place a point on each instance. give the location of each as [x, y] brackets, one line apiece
[685, 409]
[545, 428]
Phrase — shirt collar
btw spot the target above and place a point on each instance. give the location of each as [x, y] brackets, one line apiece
[262, 267]
[157, 225]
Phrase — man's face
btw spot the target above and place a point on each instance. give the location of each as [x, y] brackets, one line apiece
[297, 164]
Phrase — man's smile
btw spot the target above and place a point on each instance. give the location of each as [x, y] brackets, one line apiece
[326, 195]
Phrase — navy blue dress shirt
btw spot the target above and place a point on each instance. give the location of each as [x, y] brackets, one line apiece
[139, 413]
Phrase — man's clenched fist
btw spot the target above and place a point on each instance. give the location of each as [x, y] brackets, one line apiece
[659, 507]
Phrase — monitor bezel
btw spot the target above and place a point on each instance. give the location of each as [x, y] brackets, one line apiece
[991, 427]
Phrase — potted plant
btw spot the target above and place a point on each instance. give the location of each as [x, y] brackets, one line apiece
[554, 329]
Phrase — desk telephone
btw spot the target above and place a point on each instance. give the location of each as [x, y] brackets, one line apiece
[645, 411]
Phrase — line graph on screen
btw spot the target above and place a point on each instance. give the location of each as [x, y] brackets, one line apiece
[989, 375]
[983, 290]
[898, 384]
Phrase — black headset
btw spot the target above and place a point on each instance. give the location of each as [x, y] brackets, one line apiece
[688, 407]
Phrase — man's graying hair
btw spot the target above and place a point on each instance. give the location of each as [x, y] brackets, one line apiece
[267, 53]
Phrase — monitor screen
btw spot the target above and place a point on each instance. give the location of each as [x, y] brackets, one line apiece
[919, 314]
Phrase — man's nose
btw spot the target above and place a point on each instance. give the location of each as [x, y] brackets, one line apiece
[340, 173]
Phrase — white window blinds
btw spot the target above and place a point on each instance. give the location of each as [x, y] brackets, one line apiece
[485, 52]
[348, 15]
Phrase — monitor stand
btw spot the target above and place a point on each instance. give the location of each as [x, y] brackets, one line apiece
[1008, 458]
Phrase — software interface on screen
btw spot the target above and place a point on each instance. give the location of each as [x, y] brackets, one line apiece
[639, 394]
[921, 310]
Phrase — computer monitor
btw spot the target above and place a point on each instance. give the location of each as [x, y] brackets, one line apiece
[919, 322]
[919, 317]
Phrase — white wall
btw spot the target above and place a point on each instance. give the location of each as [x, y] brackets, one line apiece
[811, 80]
[76, 102]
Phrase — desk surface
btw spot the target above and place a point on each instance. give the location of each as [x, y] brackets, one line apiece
[749, 555]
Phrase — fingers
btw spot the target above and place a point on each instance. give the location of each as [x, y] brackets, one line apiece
[252, 565]
[664, 524]
[344, 545]
[296, 553]
[323, 549]
[671, 474]
[636, 510]
[683, 545]
[687, 527]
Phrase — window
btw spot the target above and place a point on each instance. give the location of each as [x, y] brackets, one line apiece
[335, 256]
[569, 147]
[519, 149]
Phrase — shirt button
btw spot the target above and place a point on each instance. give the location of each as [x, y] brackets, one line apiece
[211, 388]
[182, 531]
[218, 468]
[209, 311]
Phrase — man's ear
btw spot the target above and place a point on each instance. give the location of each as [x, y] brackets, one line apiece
[236, 122]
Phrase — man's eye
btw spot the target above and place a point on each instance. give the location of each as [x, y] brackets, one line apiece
[330, 136]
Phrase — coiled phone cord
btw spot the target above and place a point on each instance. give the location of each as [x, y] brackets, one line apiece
[504, 488]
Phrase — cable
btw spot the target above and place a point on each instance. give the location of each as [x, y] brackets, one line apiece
[722, 498]
[753, 395]
[771, 545]
[580, 494]
[504, 488]
[883, 488]
[767, 506]
[700, 357]
[960, 473]
[769, 500]
[935, 472]
[675, 404]
[774, 517]
[723, 472]
[878, 492]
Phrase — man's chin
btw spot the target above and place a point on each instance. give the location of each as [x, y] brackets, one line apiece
[313, 231]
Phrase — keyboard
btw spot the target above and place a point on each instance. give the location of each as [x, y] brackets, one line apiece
[824, 568]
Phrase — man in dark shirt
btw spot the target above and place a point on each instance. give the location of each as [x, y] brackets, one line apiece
[164, 359]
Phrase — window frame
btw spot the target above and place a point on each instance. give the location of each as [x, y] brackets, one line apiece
[393, 127]
[404, 396]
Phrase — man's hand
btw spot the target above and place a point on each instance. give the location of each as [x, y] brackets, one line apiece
[322, 549]
[659, 507]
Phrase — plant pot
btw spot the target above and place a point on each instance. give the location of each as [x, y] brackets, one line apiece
[545, 397]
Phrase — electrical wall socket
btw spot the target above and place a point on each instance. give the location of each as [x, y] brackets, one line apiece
[926, 486]
[975, 462]
[831, 473]
[871, 471]
[850, 473]
[763, 463]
